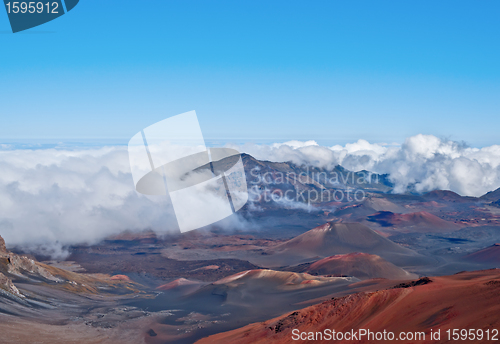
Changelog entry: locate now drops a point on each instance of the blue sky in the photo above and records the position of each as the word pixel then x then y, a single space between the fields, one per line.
pixel 262 71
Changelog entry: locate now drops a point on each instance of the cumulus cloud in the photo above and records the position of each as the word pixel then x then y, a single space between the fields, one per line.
pixel 422 163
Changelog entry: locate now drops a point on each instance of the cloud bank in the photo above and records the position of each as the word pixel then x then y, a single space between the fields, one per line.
pixel 422 163
pixel 51 198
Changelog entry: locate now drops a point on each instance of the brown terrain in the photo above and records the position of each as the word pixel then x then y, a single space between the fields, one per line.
pixel 488 255
pixel 107 308
pixel 182 285
pixel 271 279
pixel 323 241
pixel 469 300
pixel 340 238
pixel 359 265
pixel 40 303
pixel 422 221
pixel 253 294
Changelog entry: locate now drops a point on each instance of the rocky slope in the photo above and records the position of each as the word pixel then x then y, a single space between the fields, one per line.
pixel 468 300
pixel 7 286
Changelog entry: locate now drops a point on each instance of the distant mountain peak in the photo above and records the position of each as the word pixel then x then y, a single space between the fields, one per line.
pixel 491 196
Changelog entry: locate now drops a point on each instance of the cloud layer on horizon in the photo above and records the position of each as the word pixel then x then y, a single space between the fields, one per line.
pixel 422 163
pixel 51 198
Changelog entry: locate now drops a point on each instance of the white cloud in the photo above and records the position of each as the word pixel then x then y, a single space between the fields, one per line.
pixel 295 144
pixel 424 162
pixel 50 198
pixel 67 197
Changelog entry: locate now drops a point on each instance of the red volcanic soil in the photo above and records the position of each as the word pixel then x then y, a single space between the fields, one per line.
pixel 178 283
pixel 360 265
pixel 181 286
pixel 340 238
pixel 120 278
pixel 469 300
pixel 488 255
pixel 422 221
pixel 272 279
